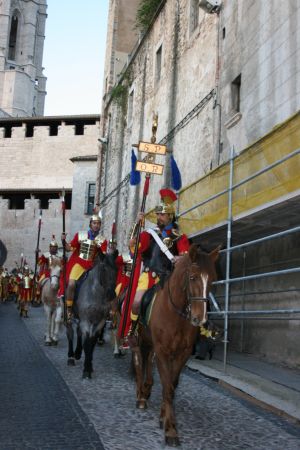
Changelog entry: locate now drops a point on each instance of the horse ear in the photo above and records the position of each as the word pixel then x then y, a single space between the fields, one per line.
pixel 193 252
pixel 214 255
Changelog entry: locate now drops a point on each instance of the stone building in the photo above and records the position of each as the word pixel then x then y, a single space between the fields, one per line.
pixel 22 34
pixel 38 159
pixel 224 81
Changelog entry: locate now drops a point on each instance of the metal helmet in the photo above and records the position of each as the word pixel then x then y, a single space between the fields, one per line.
pixel 53 242
pixel 96 217
pixel 166 205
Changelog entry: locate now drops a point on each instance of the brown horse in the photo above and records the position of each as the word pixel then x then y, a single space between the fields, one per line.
pixel 179 308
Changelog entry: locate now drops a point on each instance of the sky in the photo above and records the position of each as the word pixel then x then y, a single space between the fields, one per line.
pixel 74 52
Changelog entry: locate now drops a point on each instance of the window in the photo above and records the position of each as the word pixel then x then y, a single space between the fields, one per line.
pixel 13 38
pixel 194 15
pixel 29 130
pixel 236 94
pixel 158 64
pixel 79 129
pixel 90 198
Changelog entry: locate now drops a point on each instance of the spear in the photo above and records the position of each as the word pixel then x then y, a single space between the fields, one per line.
pixel 136 262
pixel 37 255
pixel 63 208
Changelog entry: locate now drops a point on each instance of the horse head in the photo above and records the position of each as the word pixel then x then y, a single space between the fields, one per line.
pixel 107 273
pixel 55 269
pixel 198 271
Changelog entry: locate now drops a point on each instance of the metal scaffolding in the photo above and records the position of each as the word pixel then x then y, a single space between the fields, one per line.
pixel 264 314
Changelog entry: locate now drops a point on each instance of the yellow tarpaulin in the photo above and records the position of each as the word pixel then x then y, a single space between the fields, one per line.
pixel 282 180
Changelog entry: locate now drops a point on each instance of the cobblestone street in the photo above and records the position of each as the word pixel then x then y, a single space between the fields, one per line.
pixel 47 405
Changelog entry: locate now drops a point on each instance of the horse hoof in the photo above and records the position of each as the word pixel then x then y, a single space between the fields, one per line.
pixel 47 343
pixel 141 404
pixel 54 343
pixel 101 342
pixel 86 375
pixel 77 356
pixel 172 441
pixel 71 362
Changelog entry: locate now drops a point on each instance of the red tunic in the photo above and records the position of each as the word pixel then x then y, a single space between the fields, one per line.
pixel 75 259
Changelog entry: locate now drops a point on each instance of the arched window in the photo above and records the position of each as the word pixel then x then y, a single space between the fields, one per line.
pixel 13 37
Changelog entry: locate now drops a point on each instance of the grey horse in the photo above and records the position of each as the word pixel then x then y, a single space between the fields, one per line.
pixel 91 309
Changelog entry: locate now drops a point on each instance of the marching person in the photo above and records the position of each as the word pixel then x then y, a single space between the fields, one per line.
pixel 159 249
pixel 4 280
pixel 25 292
pixel 84 247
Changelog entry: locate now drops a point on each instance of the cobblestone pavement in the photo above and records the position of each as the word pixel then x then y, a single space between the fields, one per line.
pixel 208 416
pixel 37 410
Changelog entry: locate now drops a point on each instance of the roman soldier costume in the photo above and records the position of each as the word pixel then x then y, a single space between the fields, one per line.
pixel 158 250
pixel 44 260
pixel 25 292
pixel 84 246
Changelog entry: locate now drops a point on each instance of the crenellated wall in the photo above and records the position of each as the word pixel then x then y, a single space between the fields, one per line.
pixel 19 229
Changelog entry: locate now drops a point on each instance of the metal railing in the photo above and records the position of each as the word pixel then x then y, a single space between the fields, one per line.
pixel 227 282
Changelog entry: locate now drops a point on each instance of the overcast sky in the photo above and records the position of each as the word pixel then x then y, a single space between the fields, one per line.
pixel 74 53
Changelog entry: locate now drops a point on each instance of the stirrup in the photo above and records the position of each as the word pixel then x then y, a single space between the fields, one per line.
pixel 132 335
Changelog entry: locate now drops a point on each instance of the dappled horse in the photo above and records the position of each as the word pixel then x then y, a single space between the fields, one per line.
pixel 52 305
pixel 178 310
pixel 91 308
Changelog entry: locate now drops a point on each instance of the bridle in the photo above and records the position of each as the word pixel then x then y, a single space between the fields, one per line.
pixel 186 312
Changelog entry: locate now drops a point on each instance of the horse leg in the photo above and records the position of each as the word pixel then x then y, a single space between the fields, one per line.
pixel 48 328
pixel 57 323
pixel 78 350
pixel 148 371
pixel 70 336
pixel 137 361
pixel 167 416
pixel 88 346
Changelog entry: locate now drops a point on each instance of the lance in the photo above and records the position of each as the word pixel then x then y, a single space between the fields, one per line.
pixel 63 208
pixel 136 264
pixel 37 255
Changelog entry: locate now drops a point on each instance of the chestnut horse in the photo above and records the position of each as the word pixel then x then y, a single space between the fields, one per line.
pixel 178 310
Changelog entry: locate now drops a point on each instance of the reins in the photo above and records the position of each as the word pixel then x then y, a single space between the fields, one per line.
pixel 186 313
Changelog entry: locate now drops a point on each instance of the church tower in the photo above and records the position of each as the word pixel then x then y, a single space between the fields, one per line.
pixel 22 34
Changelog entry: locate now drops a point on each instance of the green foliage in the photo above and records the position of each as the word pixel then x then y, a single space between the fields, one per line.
pixel 145 13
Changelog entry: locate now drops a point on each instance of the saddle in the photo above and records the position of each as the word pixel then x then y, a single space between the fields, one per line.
pixel 147 303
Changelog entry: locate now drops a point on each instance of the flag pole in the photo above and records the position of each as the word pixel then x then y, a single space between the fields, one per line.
pixel 138 228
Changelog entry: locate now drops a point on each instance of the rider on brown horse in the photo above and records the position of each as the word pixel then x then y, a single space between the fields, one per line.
pixel 159 249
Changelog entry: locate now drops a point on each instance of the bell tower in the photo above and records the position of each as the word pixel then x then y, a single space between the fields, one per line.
pixel 22 34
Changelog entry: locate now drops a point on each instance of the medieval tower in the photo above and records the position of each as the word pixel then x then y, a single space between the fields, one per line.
pixel 22 34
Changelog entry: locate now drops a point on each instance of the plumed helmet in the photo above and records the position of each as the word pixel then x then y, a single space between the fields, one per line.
pixel 53 242
pixel 166 205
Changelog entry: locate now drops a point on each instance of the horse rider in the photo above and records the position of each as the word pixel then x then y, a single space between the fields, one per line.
pixel 159 249
pixel 84 247
pixel 44 260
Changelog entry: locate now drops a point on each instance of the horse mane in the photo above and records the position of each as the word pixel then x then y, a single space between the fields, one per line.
pixel 195 256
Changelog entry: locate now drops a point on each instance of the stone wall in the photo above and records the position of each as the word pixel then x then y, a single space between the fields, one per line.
pixel 262 44
pixel 19 229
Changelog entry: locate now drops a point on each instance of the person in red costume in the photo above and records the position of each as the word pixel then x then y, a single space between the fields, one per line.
pixel 84 247
pixel 157 263
pixel 44 260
